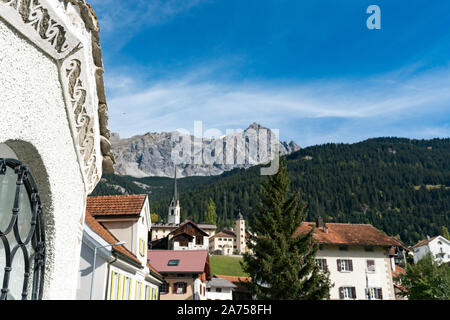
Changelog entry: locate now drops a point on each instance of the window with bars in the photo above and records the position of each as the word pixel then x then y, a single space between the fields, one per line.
pixel 22 233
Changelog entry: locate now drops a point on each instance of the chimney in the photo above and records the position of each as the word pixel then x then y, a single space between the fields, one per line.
pixel 319 222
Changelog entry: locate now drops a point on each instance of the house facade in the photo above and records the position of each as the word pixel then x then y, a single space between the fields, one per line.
pixel 438 246
pixel 186 273
pixel 187 236
pixel 119 274
pixel 219 289
pixel 229 242
pixel 55 123
pixel 357 258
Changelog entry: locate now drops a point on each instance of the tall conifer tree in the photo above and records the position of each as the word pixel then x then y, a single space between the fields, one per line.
pixel 282 267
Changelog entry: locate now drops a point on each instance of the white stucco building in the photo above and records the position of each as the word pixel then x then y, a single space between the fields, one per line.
pixel 219 289
pixel 54 121
pixel 438 246
pixel 121 272
pixel 357 257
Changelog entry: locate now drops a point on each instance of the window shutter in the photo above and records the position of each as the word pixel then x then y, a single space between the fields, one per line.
pixel 339 264
pixel 341 292
pixel 325 267
pixel 353 293
pixel 350 265
pixel 184 287
pixel 175 287
pixel 380 294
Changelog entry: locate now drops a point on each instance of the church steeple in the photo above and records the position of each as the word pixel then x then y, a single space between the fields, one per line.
pixel 174 207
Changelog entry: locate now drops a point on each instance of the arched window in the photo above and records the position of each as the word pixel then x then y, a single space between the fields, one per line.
pixel 22 234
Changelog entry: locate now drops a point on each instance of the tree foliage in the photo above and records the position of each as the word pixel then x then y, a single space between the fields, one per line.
pixel 426 280
pixel 282 267
pixel 210 216
pixel 400 186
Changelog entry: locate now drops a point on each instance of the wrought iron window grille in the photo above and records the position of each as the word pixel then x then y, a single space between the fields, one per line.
pixel 23 234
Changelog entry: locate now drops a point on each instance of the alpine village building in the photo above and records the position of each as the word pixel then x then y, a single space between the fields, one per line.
pixel 121 271
pixel 359 257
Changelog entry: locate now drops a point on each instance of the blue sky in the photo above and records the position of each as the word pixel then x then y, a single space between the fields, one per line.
pixel 311 69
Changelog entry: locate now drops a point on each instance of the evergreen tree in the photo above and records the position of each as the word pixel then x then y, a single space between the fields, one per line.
pixel 445 233
pixel 210 215
pixel 282 267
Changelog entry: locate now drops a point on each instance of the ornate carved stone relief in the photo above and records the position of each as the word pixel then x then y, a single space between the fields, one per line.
pixel 77 51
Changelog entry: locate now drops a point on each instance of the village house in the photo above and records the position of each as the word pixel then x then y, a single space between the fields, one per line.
pixel 229 242
pixel 188 236
pixel 240 292
pixel 121 271
pixel 357 257
pixel 54 139
pixel 186 273
pixel 438 246
pixel 219 289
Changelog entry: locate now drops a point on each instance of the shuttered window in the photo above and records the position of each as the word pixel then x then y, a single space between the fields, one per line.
pixel 371 265
pixel 375 294
pixel 347 293
pixel 322 263
pixel 345 265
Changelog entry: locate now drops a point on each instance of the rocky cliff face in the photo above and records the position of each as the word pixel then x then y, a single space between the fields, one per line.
pixel 154 154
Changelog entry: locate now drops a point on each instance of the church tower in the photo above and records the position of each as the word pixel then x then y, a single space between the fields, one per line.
pixel 174 207
pixel 239 230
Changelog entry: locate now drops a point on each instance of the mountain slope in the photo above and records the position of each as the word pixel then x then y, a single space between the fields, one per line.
pixel 399 185
pixel 153 154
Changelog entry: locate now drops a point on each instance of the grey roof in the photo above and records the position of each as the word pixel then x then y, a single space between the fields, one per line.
pixel 217 282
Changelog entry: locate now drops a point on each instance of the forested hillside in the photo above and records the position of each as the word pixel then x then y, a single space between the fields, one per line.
pixel 399 185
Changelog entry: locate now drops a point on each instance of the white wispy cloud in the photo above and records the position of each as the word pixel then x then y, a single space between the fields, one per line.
pixel 121 19
pixel 169 104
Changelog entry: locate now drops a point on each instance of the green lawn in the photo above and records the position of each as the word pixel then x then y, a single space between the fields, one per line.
pixel 227 266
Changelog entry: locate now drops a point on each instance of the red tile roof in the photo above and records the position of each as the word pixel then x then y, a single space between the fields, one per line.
pixel 189 260
pixel 348 234
pixel 224 233
pixel 398 271
pixel 236 281
pixel 115 205
pixel 423 242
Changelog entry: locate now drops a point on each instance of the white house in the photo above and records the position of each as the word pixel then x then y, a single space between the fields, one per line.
pixel 219 289
pixel 229 242
pixel 438 246
pixel 121 271
pixel 53 121
pixel 357 257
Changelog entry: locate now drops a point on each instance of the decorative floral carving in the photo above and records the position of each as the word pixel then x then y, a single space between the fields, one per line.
pixel 35 15
pixel 82 120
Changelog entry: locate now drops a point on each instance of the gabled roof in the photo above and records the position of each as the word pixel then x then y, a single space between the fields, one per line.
pixel 190 261
pixel 217 282
pixel 193 224
pixel 348 234
pixel 129 205
pixel 99 229
pixel 237 281
pixel 424 242
pixel 224 233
